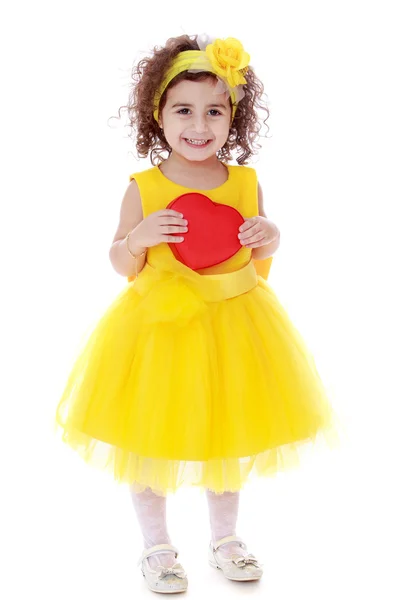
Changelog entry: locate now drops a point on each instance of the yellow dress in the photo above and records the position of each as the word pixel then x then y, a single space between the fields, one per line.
pixel 195 378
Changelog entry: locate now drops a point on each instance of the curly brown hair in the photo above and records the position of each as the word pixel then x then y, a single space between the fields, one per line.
pixel 147 76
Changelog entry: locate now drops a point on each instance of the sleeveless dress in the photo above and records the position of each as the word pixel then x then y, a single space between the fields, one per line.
pixel 195 377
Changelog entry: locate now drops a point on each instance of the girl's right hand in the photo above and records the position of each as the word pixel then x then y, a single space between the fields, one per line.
pixel 158 227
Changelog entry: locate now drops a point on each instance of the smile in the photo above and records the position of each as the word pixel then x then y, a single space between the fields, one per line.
pixel 200 143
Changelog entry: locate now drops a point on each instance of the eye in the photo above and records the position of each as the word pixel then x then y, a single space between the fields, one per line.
pixel 214 110
pixel 180 111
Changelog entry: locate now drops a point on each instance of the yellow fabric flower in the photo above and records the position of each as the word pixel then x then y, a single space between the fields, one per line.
pixel 229 60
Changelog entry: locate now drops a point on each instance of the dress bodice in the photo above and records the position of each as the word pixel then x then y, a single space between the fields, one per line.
pixel 238 191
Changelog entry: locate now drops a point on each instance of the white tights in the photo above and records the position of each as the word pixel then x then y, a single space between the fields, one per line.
pixel 151 514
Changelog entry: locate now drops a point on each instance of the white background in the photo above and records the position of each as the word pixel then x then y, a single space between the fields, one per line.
pixel 330 174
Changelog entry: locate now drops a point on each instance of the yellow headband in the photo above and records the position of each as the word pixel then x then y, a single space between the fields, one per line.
pixel 224 58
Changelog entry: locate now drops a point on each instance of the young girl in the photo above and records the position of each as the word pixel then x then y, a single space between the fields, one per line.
pixel 194 376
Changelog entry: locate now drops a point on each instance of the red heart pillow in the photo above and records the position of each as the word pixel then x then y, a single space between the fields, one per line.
pixel 212 235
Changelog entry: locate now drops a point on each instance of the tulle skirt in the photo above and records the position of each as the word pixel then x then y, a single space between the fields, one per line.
pixel 171 389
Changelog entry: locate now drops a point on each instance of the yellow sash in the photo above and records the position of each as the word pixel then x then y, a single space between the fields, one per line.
pixel 212 288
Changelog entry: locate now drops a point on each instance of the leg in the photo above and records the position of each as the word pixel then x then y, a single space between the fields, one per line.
pixel 151 514
pixel 223 510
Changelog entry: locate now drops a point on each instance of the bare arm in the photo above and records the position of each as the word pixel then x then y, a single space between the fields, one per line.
pixel 269 249
pixel 131 215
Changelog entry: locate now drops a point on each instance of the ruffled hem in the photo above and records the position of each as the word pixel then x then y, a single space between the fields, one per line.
pixel 165 476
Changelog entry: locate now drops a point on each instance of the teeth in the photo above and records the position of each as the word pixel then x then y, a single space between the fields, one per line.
pixel 197 142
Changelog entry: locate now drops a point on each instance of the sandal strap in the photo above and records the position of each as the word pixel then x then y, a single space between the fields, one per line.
pixel 158 549
pixel 227 539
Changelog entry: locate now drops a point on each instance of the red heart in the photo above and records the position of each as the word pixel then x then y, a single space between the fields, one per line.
pixel 212 235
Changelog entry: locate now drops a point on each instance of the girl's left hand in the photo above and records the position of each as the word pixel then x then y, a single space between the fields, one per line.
pixel 257 231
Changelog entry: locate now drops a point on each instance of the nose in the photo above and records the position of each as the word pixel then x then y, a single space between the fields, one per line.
pixel 199 123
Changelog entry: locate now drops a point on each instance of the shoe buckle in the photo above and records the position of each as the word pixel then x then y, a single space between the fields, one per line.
pixel 162 571
pixel 249 559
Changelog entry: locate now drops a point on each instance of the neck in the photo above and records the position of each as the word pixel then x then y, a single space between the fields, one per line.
pixel 193 168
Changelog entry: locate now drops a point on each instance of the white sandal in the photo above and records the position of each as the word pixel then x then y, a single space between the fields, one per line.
pixel 166 580
pixel 236 567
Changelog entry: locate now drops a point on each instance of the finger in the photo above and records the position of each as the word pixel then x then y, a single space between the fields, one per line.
pixel 173 229
pixel 252 246
pixel 243 237
pixel 168 212
pixel 246 225
pixel 172 239
pixel 262 242
pixel 172 221
pixel 259 237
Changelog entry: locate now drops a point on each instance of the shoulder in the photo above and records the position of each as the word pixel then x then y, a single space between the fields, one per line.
pixel 249 176
pixel 142 175
pixel 243 170
pixel 245 175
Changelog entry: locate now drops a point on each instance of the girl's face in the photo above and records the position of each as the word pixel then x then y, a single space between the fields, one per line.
pixel 195 120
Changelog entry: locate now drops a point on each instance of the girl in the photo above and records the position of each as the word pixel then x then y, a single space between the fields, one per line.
pixel 194 376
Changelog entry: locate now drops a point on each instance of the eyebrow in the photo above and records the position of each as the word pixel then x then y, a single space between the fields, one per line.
pixel 186 105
